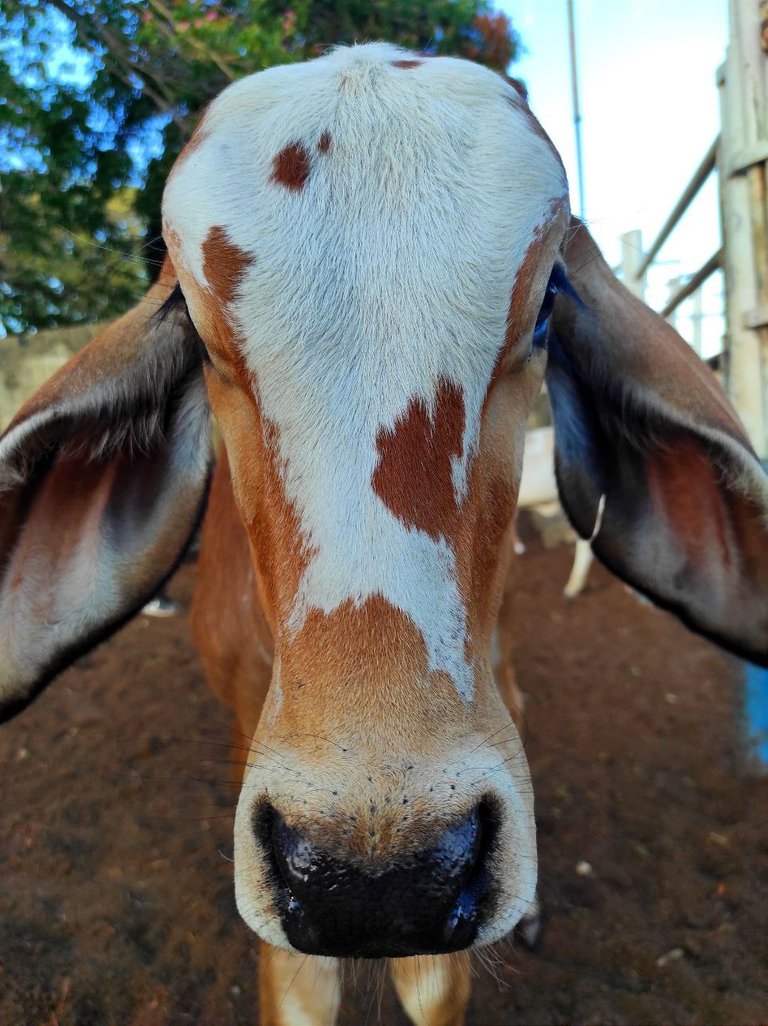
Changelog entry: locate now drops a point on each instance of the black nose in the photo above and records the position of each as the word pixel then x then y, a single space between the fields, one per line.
pixel 425 903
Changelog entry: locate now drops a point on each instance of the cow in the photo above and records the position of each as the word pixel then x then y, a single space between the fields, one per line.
pixel 372 268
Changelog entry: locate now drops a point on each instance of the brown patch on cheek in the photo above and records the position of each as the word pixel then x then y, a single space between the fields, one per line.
pixel 492 527
pixel 324 142
pixel 407 65
pixel 413 475
pixel 278 547
pixel 277 544
pixel 291 167
pixel 483 551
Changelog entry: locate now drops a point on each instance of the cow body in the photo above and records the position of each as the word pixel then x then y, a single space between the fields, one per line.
pixel 371 269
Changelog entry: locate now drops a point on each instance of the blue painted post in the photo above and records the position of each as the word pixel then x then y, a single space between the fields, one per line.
pixel 756 718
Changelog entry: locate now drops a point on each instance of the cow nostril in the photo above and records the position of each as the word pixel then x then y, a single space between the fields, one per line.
pixel 289 857
pixel 462 922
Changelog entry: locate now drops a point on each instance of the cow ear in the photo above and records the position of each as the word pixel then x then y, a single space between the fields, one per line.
pixel 102 476
pixel 652 460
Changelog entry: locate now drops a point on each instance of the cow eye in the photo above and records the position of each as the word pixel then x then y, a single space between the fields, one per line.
pixel 541 330
pixel 558 282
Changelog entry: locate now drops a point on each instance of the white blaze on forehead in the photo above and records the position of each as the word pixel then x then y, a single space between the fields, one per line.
pixel 389 272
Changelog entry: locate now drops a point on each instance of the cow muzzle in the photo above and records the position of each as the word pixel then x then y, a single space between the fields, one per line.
pixel 429 901
pixel 339 853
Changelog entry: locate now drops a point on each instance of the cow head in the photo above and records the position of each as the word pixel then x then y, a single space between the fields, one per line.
pixel 373 254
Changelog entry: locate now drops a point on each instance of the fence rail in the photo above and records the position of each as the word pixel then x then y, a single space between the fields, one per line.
pixel 636 264
pixel 700 175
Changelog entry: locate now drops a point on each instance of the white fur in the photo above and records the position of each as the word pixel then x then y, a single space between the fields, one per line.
pixel 390 271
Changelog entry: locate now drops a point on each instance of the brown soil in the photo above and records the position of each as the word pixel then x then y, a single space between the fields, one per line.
pixel 116 903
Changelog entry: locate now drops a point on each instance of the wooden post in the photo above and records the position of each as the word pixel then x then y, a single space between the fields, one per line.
pixel 743 82
pixel 673 285
pixel 697 317
pixel 631 262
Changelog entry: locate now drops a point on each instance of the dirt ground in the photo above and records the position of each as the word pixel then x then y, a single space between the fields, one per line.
pixel 116 904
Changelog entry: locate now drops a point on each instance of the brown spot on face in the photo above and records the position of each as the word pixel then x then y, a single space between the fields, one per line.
pixel 291 167
pixel 413 476
pixel 324 142
pixel 407 65
pixel 224 264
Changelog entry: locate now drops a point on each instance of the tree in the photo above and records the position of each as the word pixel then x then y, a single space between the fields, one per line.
pixel 97 97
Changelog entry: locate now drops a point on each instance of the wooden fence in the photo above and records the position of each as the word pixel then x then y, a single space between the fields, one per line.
pixel 26 361
pixel 739 155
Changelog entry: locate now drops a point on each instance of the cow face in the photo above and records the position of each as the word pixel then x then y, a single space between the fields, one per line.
pixel 368 250
pixel 364 245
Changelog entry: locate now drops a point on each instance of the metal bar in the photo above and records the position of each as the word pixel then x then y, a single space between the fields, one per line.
pixel 714 263
pixel 576 108
pixel 700 175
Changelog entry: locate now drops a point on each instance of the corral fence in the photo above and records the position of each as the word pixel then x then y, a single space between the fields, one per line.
pixel 27 361
pixel 739 157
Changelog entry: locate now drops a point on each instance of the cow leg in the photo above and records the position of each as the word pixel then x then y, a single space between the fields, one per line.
pixel 433 989
pixel 297 990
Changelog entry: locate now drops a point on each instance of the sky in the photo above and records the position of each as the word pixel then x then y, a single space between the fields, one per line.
pixel 649 102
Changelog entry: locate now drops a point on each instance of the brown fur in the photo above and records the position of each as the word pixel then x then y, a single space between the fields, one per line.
pixel 413 475
pixel 231 634
pixel 291 167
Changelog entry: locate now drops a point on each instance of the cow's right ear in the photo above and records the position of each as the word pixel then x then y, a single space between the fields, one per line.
pixel 103 473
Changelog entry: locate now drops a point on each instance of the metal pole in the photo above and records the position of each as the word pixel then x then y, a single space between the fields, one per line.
pixel 576 108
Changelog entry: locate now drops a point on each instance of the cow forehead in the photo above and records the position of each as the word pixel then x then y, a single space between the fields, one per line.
pixel 379 207
pixel 358 168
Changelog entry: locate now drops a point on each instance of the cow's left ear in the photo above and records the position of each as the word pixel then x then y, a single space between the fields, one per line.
pixel 652 459
pixel 103 473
